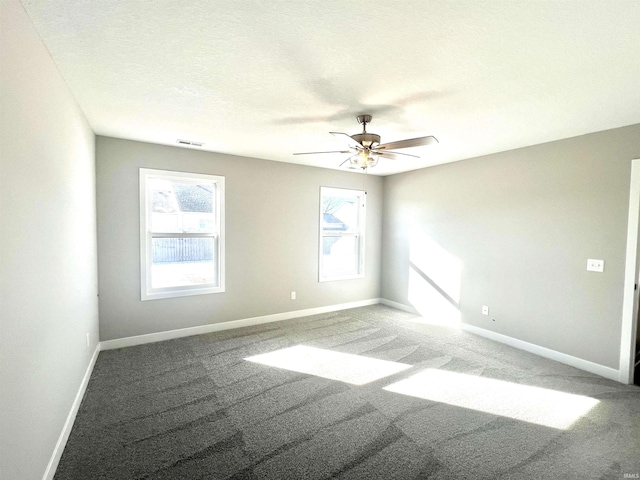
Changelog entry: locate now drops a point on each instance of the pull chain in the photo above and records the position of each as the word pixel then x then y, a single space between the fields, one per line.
pixel 364 176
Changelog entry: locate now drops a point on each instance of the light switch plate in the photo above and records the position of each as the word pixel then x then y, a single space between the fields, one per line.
pixel 594 265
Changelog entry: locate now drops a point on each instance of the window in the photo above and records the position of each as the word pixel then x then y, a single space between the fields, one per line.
pixel 181 234
pixel 342 220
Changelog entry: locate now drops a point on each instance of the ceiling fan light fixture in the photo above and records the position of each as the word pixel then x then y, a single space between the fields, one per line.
pixel 364 159
pixel 373 161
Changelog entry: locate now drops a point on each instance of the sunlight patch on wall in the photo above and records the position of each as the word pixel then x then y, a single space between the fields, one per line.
pixel 429 303
pixel 434 281
pixel 550 408
pixel 344 367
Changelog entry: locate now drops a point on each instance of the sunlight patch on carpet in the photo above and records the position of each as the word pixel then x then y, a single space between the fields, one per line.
pixel 344 367
pixel 550 408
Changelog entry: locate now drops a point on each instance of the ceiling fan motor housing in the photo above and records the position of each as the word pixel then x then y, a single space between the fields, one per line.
pixel 366 139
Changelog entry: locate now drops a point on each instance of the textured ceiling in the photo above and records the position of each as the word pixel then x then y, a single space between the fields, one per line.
pixel 268 78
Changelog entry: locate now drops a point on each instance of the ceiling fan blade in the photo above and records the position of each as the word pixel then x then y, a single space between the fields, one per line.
pixel 314 153
pixel 352 143
pixel 411 142
pixel 395 155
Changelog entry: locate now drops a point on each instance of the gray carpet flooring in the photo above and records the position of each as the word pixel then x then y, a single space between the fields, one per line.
pixel 194 408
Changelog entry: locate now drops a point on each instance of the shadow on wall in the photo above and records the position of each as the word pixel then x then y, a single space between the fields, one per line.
pixel 434 281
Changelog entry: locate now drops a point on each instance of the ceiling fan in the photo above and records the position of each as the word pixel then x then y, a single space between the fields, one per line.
pixel 365 148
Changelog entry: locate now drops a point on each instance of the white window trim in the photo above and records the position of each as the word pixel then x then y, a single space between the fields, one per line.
pixel 149 293
pixel 362 213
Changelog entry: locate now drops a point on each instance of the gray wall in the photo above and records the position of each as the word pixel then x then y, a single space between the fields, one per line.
pixel 48 277
pixel 272 212
pixel 522 225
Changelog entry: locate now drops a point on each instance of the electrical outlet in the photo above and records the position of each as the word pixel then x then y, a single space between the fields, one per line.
pixel 293 295
pixel 594 265
pixel 485 310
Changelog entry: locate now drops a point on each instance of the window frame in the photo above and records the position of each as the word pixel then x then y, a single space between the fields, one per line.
pixel 147 292
pixel 359 233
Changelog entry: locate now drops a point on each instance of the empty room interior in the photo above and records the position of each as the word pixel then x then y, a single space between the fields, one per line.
pixel 295 239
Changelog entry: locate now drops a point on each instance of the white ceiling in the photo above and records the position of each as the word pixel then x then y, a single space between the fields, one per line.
pixel 266 78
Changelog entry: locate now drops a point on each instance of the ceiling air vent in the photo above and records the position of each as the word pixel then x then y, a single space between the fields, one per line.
pixel 190 143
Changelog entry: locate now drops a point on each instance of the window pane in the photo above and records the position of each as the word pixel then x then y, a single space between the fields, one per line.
pixel 182 234
pixel 340 256
pixel 178 262
pixel 181 207
pixel 340 213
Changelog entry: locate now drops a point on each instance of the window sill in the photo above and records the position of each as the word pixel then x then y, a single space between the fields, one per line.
pixel 345 277
pixel 180 293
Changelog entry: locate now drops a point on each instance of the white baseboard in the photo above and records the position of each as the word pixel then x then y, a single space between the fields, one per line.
pixel 560 357
pixel 68 424
pixel 217 327
pixel 576 362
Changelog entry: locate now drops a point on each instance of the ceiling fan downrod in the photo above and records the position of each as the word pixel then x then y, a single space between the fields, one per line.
pixel 363 120
pixel 367 140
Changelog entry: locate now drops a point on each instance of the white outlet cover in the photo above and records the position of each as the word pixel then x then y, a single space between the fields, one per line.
pixel 595 265
pixel 485 310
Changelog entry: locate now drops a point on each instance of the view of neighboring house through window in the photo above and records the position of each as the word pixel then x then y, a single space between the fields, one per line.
pixel 181 233
pixel 342 220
